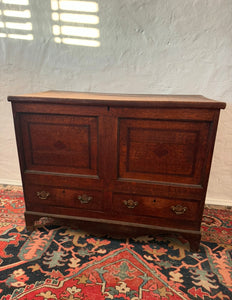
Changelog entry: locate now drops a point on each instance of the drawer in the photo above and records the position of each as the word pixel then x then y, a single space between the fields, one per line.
pixel 62 197
pixel 151 206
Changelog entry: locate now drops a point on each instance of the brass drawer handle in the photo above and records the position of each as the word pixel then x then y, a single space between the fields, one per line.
pixel 130 203
pixel 179 209
pixel 43 195
pixel 84 199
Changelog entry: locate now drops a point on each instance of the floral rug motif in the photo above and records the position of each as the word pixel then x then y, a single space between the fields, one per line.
pixel 217 225
pixel 62 263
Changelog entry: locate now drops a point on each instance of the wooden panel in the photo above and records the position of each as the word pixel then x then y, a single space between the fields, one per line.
pixel 171 114
pixel 167 151
pixel 180 191
pixel 167 208
pixel 63 197
pixel 64 144
pixel 61 109
pixel 58 180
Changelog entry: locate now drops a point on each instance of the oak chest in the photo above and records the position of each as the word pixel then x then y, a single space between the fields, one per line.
pixel 117 164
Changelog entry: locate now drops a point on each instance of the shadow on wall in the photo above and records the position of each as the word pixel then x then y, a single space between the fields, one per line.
pixel 73 22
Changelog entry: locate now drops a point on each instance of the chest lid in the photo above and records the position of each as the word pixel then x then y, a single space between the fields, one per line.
pixel 125 100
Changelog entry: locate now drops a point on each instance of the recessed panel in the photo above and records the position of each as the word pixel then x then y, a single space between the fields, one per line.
pixel 169 151
pixel 58 144
pixel 68 145
pixel 161 151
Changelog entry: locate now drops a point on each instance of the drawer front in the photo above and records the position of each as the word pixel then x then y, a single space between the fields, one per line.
pixel 138 205
pixel 61 197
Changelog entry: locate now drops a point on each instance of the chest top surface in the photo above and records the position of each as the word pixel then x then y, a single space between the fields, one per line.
pixel 129 100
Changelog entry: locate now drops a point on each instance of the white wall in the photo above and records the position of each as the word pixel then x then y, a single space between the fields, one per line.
pixel 156 46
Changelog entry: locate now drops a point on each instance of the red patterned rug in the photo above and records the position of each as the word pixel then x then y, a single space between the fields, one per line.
pixel 62 263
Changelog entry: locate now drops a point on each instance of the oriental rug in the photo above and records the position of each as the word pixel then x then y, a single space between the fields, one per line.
pixel 62 263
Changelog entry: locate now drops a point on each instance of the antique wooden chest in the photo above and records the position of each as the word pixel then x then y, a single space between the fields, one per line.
pixel 116 164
